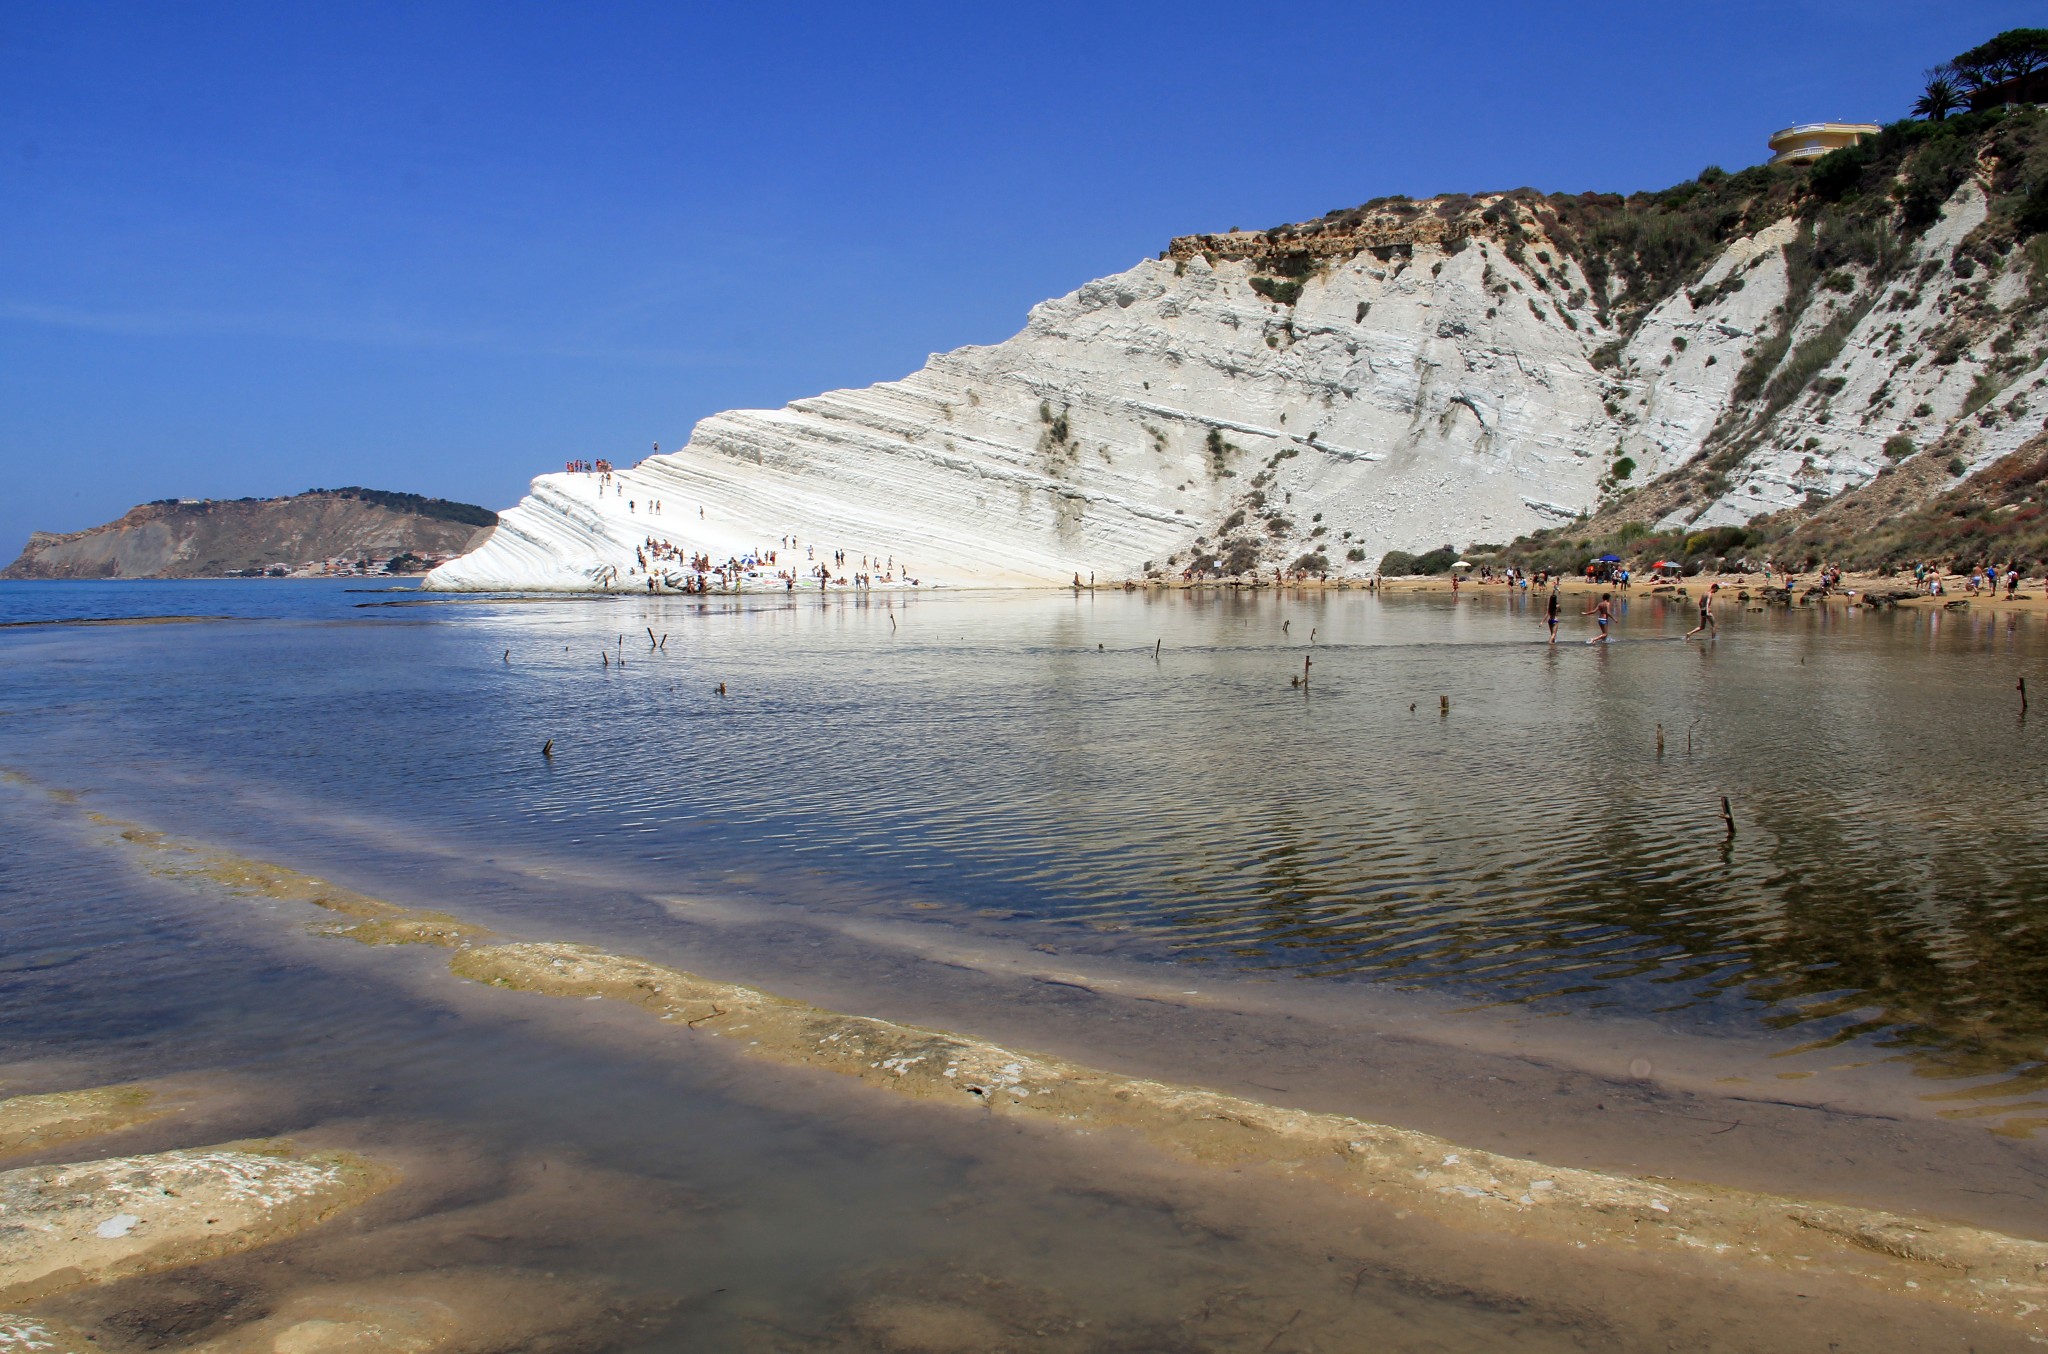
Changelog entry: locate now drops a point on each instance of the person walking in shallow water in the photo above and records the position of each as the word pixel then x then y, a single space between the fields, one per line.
pixel 1706 614
pixel 1604 615
pixel 1551 613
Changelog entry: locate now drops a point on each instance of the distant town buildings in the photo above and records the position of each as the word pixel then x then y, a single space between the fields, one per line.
pixel 1809 141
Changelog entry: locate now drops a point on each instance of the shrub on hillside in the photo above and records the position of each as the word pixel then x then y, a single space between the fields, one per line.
pixel 1399 562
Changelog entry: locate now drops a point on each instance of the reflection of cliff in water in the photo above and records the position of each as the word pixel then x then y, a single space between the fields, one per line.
pixel 1027 765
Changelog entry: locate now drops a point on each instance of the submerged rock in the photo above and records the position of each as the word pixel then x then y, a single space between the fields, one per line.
pixel 455 1312
pixel 63 1226
pixel 30 1123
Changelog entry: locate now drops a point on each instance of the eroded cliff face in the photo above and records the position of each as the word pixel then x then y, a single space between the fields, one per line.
pixel 1400 376
pixel 204 539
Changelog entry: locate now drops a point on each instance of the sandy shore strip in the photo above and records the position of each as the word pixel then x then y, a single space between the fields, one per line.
pixel 1968 1267
pixel 1855 589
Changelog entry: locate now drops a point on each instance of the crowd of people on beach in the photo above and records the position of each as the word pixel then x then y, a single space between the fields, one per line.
pixel 671 567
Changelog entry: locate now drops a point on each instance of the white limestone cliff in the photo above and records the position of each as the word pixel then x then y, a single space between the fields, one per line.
pixel 1439 388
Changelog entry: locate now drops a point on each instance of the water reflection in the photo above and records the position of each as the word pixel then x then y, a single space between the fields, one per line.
pixel 1028 762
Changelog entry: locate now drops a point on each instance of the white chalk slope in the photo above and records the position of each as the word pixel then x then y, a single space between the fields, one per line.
pixel 1436 396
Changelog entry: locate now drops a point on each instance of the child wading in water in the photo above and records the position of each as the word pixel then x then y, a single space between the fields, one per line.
pixel 1603 613
pixel 1551 614
pixel 1706 614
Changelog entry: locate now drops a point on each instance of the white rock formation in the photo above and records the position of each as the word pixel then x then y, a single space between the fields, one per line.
pixel 1426 392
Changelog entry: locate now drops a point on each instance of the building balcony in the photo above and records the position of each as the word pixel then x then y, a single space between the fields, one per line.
pixel 1806 143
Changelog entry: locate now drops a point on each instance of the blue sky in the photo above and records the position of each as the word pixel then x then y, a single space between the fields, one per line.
pixel 251 249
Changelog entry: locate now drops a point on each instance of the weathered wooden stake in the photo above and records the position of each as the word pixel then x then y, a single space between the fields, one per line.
pixel 2023 695
pixel 508 660
pixel 1443 707
pixel 547 749
pixel 605 656
pixel 1728 817
pixel 1155 649
pixel 1660 740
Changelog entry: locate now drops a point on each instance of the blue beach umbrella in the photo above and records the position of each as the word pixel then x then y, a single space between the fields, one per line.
pixel 1608 559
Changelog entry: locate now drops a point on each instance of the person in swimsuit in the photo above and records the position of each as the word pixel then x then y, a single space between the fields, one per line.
pixel 1604 614
pixel 1706 614
pixel 1551 614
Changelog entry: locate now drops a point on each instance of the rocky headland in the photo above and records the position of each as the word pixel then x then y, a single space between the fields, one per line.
pixel 320 531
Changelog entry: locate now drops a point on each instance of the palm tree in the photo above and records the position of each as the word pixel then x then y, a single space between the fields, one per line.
pixel 1941 97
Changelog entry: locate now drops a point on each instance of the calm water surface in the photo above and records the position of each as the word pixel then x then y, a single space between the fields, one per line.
pixel 1024 762
pixel 1023 770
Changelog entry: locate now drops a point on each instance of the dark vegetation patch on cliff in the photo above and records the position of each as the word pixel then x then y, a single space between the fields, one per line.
pixel 440 509
pixel 1999 514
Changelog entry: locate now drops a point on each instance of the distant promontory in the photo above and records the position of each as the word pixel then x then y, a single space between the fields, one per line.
pixel 320 532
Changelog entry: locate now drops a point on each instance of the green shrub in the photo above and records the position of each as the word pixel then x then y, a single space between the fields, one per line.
pixel 1981 392
pixel 1284 290
pixel 1624 467
pixel 1898 447
pixel 1435 561
pixel 1957 465
pixel 1314 563
pixel 1355 554
pixel 1807 361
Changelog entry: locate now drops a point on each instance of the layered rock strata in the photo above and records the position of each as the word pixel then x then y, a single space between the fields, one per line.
pixel 1458 371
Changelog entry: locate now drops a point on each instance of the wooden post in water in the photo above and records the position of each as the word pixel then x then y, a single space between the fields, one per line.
pixel 1660 740
pixel 1155 649
pixel 1443 707
pixel 547 749
pixel 2023 698
pixel 1728 817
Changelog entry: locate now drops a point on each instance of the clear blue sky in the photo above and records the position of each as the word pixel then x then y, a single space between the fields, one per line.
pixel 251 249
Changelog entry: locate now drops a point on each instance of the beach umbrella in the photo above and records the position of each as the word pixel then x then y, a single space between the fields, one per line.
pixel 1608 559
pixel 1462 564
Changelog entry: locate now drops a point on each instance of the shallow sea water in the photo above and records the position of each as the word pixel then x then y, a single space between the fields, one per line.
pixel 1024 775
